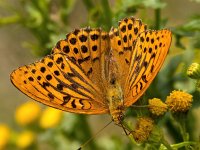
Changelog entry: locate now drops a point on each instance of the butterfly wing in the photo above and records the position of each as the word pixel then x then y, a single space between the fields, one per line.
pixel 59 82
pixel 122 41
pixel 149 53
pixel 87 48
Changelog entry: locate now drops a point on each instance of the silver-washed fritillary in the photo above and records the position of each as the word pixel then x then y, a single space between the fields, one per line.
pixel 95 72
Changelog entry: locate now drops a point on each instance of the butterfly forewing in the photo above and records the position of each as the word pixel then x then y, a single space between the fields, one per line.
pixel 58 82
pixel 150 52
pixel 86 47
pixel 123 42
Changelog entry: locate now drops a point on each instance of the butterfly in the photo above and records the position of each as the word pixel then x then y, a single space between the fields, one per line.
pixel 96 72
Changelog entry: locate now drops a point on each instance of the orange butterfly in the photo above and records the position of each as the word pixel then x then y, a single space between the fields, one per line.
pixel 95 72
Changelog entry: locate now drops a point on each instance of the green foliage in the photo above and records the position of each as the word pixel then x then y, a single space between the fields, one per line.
pixel 48 21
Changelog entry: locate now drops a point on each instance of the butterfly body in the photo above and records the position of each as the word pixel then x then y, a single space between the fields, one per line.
pixel 95 72
pixel 114 94
pixel 116 102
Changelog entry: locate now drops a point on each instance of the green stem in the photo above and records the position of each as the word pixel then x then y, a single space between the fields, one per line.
pixel 83 124
pixel 182 144
pixel 9 20
pixel 179 145
pixel 88 4
pixel 166 144
pixel 157 18
pixel 184 134
pixel 107 12
pixel 128 128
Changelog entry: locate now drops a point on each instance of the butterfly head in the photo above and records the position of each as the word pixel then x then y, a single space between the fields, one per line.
pixel 118 115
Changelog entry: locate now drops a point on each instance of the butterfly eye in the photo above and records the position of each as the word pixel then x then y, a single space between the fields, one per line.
pixel 121 117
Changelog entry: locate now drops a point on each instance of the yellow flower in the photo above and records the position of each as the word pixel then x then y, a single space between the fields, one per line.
pixel 193 71
pixel 179 101
pixel 50 117
pixel 27 113
pixel 4 135
pixel 157 107
pixel 143 129
pixel 25 139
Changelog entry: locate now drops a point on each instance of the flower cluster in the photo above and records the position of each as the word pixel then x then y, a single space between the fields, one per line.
pixel 177 101
pixel 193 71
pixel 146 130
pixel 28 115
pixel 4 135
pixel 157 107
pixel 143 129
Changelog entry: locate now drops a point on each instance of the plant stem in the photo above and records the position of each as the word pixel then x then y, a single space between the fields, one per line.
pixel 183 132
pixel 88 4
pixel 179 145
pixel 166 144
pixel 87 132
pixel 157 18
pixel 108 13
pixel 10 20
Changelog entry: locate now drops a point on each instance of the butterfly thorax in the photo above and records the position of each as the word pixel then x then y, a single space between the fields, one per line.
pixel 114 91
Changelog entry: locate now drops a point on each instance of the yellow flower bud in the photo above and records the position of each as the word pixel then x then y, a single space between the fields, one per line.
pixel 157 107
pixel 25 139
pixel 4 135
pixel 179 101
pixel 194 71
pixel 50 117
pixel 143 129
pixel 27 113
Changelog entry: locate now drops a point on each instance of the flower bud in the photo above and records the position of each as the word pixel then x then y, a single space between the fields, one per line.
pixel 157 107
pixel 50 118
pixel 193 71
pixel 143 129
pixel 27 113
pixel 4 135
pixel 179 101
pixel 25 139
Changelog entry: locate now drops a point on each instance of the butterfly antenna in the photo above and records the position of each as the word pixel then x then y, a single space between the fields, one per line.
pixel 80 148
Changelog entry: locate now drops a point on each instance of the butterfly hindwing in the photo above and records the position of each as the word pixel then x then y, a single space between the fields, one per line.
pixel 150 52
pixel 58 82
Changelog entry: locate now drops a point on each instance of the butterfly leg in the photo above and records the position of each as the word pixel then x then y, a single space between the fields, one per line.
pixel 121 123
pixel 124 128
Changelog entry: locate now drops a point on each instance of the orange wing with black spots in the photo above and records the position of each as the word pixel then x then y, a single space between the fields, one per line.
pixel 149 53
pixel 75 77
pixel 123 40
pixel 86 46
pixel 59 82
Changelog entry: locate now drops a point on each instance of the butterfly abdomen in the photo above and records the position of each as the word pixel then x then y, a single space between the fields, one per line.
pixel 115 100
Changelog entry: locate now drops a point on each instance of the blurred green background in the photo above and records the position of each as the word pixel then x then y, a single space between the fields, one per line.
pixel 29 29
